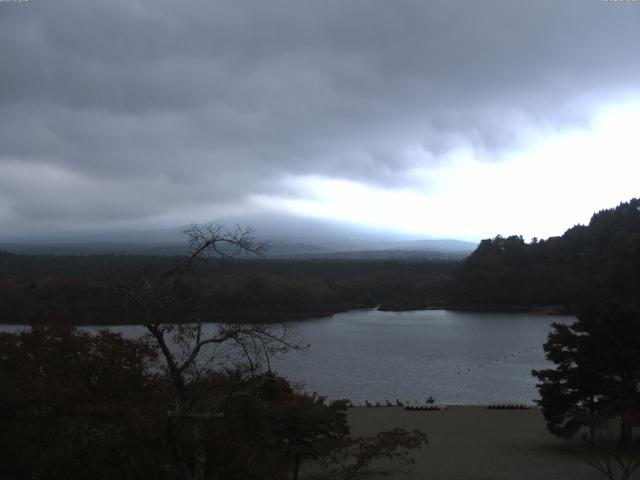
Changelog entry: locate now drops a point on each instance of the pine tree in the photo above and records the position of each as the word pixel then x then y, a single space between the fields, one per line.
pixel 597 372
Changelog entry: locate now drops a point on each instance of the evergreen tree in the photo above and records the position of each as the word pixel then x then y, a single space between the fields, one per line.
pixel 570 392
pixel 597 372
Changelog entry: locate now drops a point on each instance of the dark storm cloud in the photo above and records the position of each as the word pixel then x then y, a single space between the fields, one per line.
pixel 131 109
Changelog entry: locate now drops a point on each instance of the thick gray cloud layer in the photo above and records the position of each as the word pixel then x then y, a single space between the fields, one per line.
pixel 129 110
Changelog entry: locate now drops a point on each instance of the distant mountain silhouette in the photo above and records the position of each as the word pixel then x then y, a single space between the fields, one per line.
pixel 287 236
pixel 310 237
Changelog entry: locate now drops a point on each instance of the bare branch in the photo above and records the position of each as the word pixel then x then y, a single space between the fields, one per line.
pixel 608 462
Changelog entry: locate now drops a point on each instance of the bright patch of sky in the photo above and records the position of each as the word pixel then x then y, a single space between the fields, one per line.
pixel 558 181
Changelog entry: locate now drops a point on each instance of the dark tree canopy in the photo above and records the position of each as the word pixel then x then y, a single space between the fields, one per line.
pixel 74 405
pixel 575 270
pixel 77 406
pixel 597 373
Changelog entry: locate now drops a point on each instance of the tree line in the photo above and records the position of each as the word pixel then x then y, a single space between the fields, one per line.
pixel 566 272
pixel 575 270
pixel 81 289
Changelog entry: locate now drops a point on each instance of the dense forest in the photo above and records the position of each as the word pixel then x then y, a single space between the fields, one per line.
pixel 83 288
pixel 559 274
pixel 579 268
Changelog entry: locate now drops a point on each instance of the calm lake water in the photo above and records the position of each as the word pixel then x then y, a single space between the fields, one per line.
pixel 455 357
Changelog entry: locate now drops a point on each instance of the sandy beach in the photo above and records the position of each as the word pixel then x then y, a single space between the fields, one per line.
pixel 473 443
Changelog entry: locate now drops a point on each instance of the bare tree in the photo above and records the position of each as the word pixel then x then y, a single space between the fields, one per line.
pixel 193 351
pixel 615 464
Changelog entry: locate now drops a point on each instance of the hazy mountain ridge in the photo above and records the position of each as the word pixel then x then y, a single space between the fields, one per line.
pixel 286 237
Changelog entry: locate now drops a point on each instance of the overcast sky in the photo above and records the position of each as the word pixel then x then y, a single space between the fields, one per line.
pixel 445 118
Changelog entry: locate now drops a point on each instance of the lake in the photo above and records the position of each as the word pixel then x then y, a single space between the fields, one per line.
pixel 463 358
pixel 456 357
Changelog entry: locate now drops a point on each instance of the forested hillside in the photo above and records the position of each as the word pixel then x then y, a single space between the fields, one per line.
pixel 579 268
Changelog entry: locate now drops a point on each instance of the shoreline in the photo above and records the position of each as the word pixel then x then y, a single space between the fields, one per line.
pixel 550 310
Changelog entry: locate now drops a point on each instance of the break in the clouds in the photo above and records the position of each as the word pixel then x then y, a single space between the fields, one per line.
pixel 457 118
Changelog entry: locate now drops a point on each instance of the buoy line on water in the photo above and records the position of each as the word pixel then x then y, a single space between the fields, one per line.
pixel 491 363
pixel 508 406
pixel 416 405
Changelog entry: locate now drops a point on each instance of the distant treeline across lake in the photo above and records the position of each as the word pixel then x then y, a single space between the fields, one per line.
pixel 559 274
